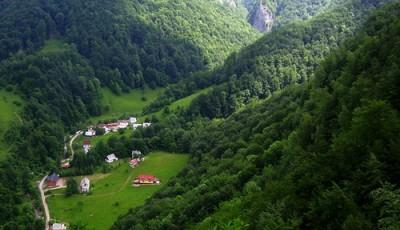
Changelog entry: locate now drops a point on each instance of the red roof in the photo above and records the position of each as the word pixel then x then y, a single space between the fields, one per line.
pixel 86 142
pixel 134 161
pixel 146 177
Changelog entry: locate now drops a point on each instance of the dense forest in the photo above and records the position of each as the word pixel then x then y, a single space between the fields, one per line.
pixel 308 115
pixel 322 155
pixel 287 56
pixel 129 43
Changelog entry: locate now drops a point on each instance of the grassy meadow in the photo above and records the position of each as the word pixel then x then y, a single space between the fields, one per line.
pixel 181 103
pixel 127 104
pixel 112 194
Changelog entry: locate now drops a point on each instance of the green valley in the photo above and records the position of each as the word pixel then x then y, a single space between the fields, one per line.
pixel 286 112
pixel 114 191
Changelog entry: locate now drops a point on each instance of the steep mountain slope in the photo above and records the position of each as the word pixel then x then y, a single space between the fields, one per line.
pixel 287 56
pixel 318 156
pixel 129 42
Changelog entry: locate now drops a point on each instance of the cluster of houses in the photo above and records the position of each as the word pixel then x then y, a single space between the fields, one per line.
pixel 112 127
pixel 53 180
pixel 115 126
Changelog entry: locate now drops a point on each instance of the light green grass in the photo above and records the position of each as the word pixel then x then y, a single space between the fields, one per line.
pixel 126 104
pixel 10 105
pixel 53 46
pixel 181 103
pixel 99 210
pixel 185 102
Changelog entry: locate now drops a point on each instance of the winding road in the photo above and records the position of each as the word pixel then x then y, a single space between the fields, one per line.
pixel 44 203
pixel 41 190
pixel 71 142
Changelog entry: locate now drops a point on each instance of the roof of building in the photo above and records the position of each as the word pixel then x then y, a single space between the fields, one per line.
pixel 57 226
pixel 112 156
pixel 146 177
pixel 53 177
pixel 86 142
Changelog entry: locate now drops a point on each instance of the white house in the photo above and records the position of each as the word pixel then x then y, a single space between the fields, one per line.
pixel 135 126
pixel 57 226
pixel 85 185
pixel 90 133
pixel 86 146
pixel 132 120
pixel 111 158
pixel 146 124
pixel 123 124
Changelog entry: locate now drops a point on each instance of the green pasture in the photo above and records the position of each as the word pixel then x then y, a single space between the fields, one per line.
pixel 112 194
pixel 127 104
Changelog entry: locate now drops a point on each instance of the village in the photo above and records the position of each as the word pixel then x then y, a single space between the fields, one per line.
pixel 53 181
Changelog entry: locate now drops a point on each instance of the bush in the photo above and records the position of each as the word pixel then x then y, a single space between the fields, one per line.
pixel 72 187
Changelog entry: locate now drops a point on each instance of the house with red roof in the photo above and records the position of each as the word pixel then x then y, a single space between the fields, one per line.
pixel 133 163
pixel 146 179
pixel 86 146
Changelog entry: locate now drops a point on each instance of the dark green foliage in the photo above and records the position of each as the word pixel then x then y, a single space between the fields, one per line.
pixel 72 187
pixel 317 156
pixel 16 212
pixel 63 82
pixel 129 43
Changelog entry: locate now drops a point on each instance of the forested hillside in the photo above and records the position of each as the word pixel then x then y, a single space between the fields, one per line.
pixel 322 155
pixel 129 42
pixel 285 57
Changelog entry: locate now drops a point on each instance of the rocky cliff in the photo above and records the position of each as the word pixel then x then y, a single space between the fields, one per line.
pixel 262 18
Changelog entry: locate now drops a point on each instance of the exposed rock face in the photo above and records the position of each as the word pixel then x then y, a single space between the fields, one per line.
pixel 260 16
pixel 263 18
